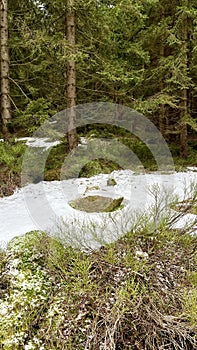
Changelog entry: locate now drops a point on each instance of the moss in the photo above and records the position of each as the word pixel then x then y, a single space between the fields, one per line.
pixel 56 158
pixel 111 182
pixel 52 175
pixel 98 166
pixel 92 204
pixel 114 205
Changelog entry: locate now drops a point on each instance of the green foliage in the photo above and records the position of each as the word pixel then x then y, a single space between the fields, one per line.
pixel 141 151
pixel 55 161
pixel 183 163
pixel 190 305
pixel 135 289
pixel 139 292
pixel 11 155
pixel 34 115
pixel 28 292
pixel 191 122
pixel 152 104
pixel 126 52
pixel 97 166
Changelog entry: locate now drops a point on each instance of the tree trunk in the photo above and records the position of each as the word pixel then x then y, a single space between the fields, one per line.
pixel 5 88
pixel 162 54
pixel 71 79
pixel 162 108
pixel 184 98
pixel 183 127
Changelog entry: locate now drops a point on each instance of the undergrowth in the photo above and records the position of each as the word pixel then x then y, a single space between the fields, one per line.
pixel 11 157
pixel 137 293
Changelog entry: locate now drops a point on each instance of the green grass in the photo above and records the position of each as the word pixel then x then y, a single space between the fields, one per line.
pixel 140 289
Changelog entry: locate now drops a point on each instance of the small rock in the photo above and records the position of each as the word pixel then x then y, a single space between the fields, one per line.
pixel 111 182
pixel 92 188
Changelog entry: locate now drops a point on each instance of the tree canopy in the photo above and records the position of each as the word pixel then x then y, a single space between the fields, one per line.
pixel 138 53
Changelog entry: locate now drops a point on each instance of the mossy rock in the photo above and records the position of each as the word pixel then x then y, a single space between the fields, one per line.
pixel 98 166
pixel 111 182
pixel 52 175
pixel 92 204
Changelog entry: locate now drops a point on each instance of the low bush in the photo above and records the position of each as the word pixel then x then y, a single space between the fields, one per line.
pixel 136 293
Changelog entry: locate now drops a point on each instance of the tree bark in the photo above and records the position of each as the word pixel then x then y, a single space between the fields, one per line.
pixel 5 86
pixel 71 79
pixel 184 97
pixel 162 54
pixel 183 127
pixel 162 108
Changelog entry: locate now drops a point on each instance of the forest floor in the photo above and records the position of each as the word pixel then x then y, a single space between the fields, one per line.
pixel 11 157
pixel 138 292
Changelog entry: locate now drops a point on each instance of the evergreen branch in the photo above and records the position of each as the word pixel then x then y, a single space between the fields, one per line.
pixel 19 88
pixel 11 99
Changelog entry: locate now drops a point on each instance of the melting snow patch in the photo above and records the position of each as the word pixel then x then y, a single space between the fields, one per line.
pixel 192 168
pixel 39 142
pixel 46 206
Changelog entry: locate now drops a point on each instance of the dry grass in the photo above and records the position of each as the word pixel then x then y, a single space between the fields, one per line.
pixel 137 293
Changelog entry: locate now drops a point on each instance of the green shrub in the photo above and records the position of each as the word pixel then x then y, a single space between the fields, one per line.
pixel 97 166
pixel 35 113
pixel 11 155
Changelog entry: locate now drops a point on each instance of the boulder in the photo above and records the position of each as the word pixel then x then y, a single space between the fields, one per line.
pixel 95 204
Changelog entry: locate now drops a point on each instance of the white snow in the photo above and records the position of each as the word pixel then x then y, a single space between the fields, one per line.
pixel 39 142
pixel 192 168
pixel 44 206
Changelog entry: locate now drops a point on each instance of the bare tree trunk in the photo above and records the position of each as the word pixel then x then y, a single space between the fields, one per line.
pixel 184 97
pixel 183 127
pixel 162 54
pixel 71 79
pixel 162 108
pixel 5 87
